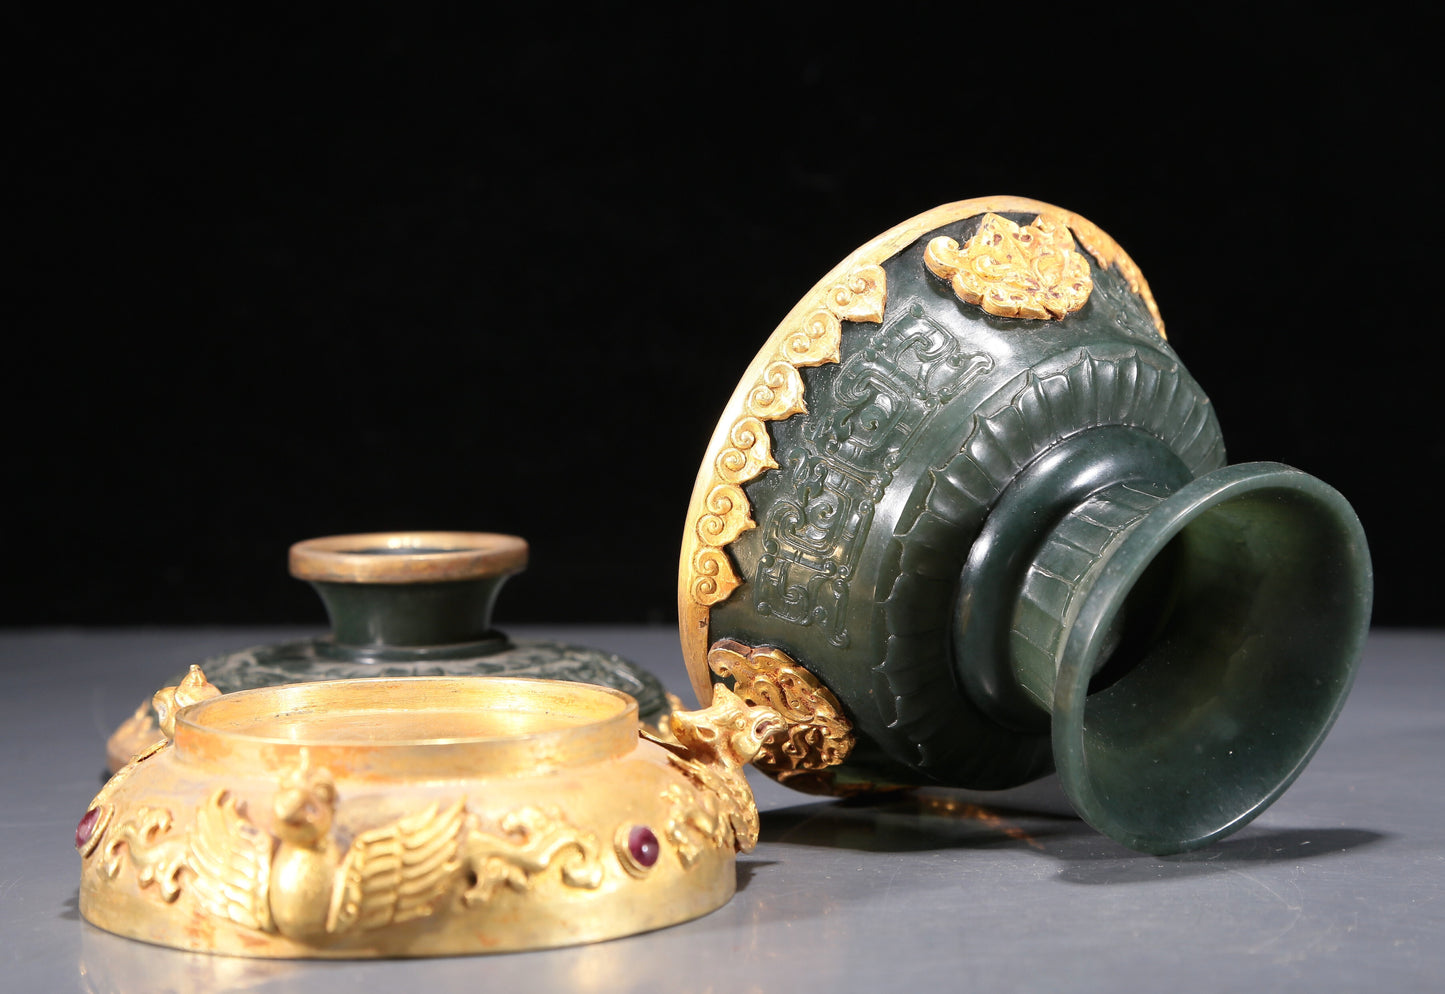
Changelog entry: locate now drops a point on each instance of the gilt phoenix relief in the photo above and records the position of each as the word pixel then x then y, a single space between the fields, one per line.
pixel 300 883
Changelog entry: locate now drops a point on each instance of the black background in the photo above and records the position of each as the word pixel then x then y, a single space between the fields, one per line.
pixel 280 278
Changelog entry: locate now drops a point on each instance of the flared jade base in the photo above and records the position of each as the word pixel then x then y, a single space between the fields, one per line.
pixel 1193 648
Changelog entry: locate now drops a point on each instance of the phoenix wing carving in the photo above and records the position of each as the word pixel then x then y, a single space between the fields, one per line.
pixel 231 860
pixel 397 872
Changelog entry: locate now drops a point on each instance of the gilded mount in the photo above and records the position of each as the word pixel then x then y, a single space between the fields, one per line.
pixel 817 734
pixel 1030 271
pixel 324 865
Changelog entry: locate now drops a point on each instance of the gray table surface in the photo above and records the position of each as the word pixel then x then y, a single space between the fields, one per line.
pixel 1339 887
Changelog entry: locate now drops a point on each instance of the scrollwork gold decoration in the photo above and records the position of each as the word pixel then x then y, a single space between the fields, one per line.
pixel 101 811
pixel 749 451
pixel 728 515
pixel 139 832
pixel 775 393
pixel 861 296
pixel 816 733
pixel 815 341
pixel 156 857
pixel 1031 271
pixel 531 840
pixel 707 818
pixel 712 576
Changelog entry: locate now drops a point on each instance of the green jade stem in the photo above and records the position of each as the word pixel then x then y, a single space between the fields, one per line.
pixel 398 621
pixel 1190 643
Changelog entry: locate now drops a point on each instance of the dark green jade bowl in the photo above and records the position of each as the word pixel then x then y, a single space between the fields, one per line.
pixel 969 492
pixel 406 604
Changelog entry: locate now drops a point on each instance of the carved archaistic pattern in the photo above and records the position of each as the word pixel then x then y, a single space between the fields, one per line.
pixel 776 394
pixel 1102 385
pixel 817 734
pixel 1012 271
pixel 882 398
